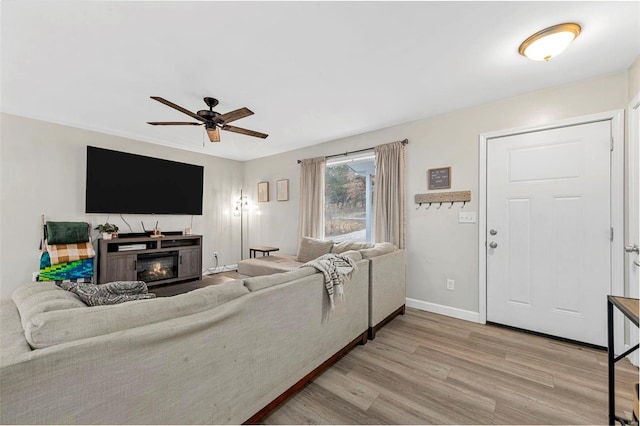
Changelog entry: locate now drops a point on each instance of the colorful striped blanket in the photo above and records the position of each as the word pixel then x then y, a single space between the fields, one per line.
pixel 66 271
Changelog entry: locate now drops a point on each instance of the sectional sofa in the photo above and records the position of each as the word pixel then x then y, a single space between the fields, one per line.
pixel 221 354
pixel 387 279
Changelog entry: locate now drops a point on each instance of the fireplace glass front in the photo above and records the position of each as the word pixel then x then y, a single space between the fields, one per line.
pixel 157 266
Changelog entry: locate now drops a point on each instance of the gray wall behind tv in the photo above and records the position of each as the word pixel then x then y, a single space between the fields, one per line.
pixel 43 171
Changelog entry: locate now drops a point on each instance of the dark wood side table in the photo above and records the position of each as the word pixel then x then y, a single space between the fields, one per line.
pixel 261 249
pixel 629 307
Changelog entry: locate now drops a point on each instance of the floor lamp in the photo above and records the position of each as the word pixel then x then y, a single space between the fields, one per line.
pixel 241 205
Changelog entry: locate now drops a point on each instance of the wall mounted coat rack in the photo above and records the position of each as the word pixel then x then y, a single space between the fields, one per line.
pixel 443 197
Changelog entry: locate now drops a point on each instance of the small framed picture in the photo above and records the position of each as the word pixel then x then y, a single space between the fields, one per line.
pixel 282 190
pixel 439 178
pixel 263 192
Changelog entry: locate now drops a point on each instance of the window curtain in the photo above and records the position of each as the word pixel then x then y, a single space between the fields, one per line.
pixel 311 220
pixel 389 194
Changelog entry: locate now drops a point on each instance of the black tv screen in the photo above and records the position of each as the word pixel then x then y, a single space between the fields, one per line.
pixel 118 182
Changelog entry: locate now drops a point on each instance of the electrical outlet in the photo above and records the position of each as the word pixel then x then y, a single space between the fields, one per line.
pixel 466 217
pixel 450 284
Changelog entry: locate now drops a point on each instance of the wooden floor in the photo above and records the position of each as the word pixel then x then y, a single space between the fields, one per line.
pixel 424 368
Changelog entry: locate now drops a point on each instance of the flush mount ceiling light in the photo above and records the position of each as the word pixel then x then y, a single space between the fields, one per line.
pixel 549 42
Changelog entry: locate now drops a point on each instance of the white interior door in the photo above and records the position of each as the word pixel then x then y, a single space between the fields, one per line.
pixel 548 231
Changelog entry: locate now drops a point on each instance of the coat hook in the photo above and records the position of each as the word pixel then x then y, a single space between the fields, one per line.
pixel 440 205
pixel 419 205
pixel 464 203
pixel 451 205
pixel 428 206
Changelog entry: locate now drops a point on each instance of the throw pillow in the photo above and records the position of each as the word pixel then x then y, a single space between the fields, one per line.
pixel 352 254
pixel 348 245
pixel 311 248
pixel 378 250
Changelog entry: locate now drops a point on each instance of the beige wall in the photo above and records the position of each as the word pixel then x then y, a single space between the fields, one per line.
pixel 438 247
pixel 631 164
pixel 634 78
pixel 40 161
pixel 42 171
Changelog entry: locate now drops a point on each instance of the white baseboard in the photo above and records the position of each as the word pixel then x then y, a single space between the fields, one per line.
pixel 443 310
pixel 224 268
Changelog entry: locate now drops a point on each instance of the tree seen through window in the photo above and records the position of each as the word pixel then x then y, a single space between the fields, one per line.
pixel 348 200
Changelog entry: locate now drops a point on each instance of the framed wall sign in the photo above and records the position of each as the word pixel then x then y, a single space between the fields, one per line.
pixel 263 192
pixel 439 178
pixel 282 190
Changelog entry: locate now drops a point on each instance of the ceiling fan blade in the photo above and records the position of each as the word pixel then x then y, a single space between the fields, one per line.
pixel 233 115
pixel 173 123
pixel 244 131
pixel 214 134
pixel 178 107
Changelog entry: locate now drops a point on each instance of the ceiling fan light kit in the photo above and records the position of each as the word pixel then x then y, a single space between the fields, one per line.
pixel 213 121
pixel 550 42
pixel 214 134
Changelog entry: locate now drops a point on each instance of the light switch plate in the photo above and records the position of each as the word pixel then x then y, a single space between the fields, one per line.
pixel 466 217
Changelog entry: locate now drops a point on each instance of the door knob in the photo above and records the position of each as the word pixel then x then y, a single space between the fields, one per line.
pixel 630 249
pixel 493 232
pixel 493 244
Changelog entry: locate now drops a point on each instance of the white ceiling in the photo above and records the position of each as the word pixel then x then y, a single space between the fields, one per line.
pixel 311 71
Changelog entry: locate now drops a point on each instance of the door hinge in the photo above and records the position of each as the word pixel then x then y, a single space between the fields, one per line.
pixel 611 233
pixel 611 143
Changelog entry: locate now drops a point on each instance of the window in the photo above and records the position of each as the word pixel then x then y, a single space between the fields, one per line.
pixel 348 208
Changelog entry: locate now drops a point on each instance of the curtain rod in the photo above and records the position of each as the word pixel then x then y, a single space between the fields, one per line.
pixel 404 142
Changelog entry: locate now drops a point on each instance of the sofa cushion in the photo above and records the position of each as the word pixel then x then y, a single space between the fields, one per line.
pixel 267 265
pixel 352 254
pixel 12 342
pixel 378 250
pixel 38 297
pixel 349 246
pixel 265 281
pixel 66 325
pixel 311 248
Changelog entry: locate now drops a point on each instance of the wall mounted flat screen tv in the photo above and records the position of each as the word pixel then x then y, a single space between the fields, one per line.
pixel 118 182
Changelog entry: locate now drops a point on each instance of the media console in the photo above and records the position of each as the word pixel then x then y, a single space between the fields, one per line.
pixel 152 260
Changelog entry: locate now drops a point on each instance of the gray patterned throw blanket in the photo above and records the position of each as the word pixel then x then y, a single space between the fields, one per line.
pixel 337 269
pixel 109 293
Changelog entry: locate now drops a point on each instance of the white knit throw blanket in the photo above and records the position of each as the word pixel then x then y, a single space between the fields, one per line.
pixel 336 269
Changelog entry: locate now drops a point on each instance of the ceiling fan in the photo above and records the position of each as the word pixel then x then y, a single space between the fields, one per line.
pixel 212 121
